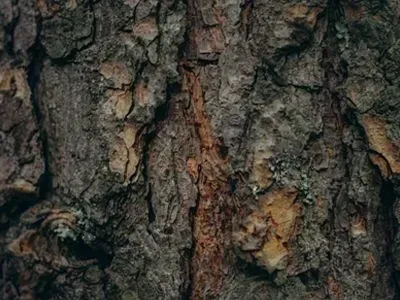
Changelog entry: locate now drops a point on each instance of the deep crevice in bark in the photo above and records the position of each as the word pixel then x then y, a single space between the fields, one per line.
pixel 9 36
pixel 388 198
pixel 161 114
pixel 192 213
pixel 253 270
pixel 146 145
pixel 18 204
pixel 348 116
pixel 33 73
pixel 333 76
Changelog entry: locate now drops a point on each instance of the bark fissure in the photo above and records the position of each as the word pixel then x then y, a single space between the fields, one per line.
pixel 150 209
pixel 33 78
pixel 388 202
pixel 340 75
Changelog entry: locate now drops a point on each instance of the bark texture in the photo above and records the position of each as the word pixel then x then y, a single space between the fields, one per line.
pixel 226 149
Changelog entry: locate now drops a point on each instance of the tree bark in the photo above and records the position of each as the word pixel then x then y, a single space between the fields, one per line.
pixel 227 149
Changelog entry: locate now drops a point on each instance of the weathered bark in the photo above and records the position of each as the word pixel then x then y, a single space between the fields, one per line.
pixel 228 149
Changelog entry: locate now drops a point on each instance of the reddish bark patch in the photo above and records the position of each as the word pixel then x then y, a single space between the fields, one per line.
pixel 334 290
pixel 211 217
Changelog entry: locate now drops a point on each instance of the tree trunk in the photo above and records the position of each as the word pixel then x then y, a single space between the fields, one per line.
pixel 227 149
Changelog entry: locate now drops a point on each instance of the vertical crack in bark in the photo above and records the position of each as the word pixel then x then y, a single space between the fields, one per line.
pixel 149 132
pixel 246 14
pixel 33 78
pixel 335 74
pixel 146 143
pixel 388 198
pixel 387 209
pixel 191 252
pixel 333 123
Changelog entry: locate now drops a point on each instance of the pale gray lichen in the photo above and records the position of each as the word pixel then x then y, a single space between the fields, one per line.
pixel 64 232
pixel 84 226
pixel 304 188
pixel 285 169
pixel 342 33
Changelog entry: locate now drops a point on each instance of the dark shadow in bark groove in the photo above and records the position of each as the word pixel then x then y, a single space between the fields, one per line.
pixel 33 73
pixel 335 11
pixel 388 198
pixel 310 278
pixel 9 38
pixel 336 72
pixel 192 213
pixel 46 289
pixel 160 115
pixel 253 271
pixel 18 204
pixel 81 251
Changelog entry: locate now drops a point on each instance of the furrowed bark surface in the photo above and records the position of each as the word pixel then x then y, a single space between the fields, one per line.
pixel 199 149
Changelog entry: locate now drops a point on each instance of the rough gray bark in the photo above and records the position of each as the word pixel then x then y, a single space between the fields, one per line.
pixel 199 149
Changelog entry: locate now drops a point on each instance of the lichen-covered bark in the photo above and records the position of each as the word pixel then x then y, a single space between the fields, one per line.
pixel 199 149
